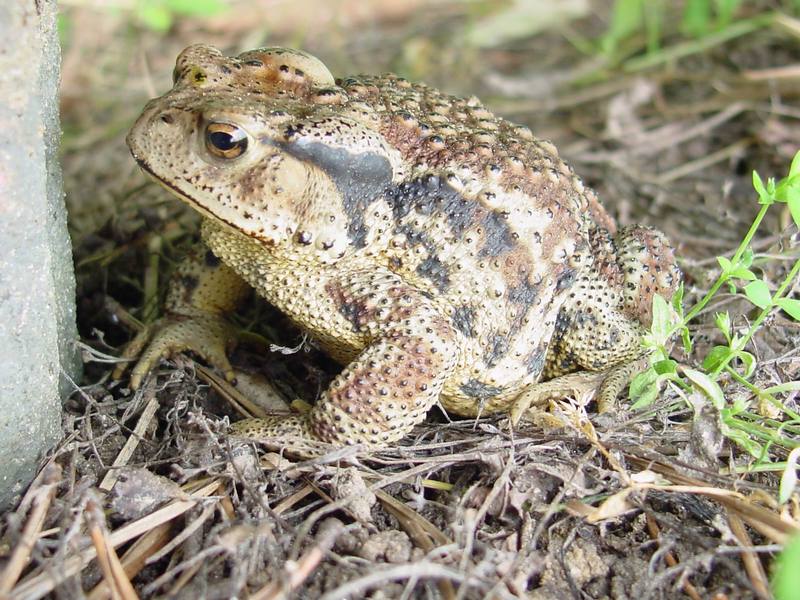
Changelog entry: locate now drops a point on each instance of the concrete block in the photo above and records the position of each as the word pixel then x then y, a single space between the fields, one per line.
pixel 38 356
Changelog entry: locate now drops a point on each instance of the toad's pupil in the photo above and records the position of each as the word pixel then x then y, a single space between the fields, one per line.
pixel 223 140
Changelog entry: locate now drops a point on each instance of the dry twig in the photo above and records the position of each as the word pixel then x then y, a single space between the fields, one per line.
pixel 46 581
pixel 132 442
pixel 755 571
pixel 113 573
pixel 136 557
pixel 669 557
pixel 51 477
pixel 296 572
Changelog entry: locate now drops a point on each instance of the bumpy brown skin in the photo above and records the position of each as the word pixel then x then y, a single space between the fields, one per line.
pixel 439 252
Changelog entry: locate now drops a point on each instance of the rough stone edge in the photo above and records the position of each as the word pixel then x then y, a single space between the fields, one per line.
pixel 60 243
pixel 37 286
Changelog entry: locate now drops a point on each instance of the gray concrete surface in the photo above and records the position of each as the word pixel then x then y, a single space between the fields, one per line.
pixel 37 286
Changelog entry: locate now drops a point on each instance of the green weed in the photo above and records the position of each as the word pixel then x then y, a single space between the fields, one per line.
pixel 786 582
pixel 159 15
pixel 750 431
pixel 701 22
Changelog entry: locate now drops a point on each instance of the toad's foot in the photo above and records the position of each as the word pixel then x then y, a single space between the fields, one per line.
pixel 607 384
pixel 208 335
pixel 289 434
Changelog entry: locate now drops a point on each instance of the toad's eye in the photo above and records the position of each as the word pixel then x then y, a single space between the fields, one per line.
pixel 224 140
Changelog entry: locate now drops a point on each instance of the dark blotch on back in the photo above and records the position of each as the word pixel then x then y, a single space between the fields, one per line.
pixel 189 282
pixel 463 319
pixel 566 279
pixel 429 195
pixel 498 347
pixel 522 296
pixel 534 362
pixel 498 236
pixel 432 268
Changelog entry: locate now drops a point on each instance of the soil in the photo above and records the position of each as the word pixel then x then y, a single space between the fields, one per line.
pixel 647 504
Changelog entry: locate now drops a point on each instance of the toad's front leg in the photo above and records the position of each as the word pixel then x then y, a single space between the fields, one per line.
pixel 384 391
pixel 202 291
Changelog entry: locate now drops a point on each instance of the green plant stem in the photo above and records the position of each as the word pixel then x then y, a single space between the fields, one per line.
pixel 737 29
pixel 789 386
pixel 723 277
pixel 783 427
pixel 775 467
pixel 762 433
pixel 760 319
pixel 762 394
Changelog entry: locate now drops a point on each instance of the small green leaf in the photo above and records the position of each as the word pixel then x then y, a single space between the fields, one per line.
pixel 626 18
pixel 787 188
pixel 723 322
pixel 708 386
pixel 726 10
pixel 795 168
pixel 677 300
pixel 739 405
pixel 743 272
pixel 687 340
pixel 794 208
pixel 790 306
pixel 662 319
pixel 717 356
pixel 738 436
pixel 155 16
pixel 747 257
pixel 749 362
pixel 786 580
pixel 789 191
pixel 201 8
pixel 64 26
pixel 758 185
pixel 644 389
pixel 653 18
pixel 726 264
pixel 772 187
pixel 696 17
pixel 665 367
pixel 758 293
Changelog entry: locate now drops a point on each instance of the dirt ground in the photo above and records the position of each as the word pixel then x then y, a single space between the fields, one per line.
pixel 648 504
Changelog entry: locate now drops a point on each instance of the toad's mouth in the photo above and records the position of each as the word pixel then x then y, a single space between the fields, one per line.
pixel 194 203
pixel 144 166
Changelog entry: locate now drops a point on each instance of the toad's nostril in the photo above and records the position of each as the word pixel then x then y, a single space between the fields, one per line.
pixel 167 118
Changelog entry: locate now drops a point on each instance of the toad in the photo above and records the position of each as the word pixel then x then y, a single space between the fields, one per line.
pixel 438 252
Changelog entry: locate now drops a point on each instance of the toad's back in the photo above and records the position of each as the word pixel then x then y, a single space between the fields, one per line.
pixel 485 219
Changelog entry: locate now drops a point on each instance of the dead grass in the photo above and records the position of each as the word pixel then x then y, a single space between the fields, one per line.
pixel 146 496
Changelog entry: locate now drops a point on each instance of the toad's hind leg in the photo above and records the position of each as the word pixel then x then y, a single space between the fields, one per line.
pixel 381 394
pixel 597 340
pixel 584 359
